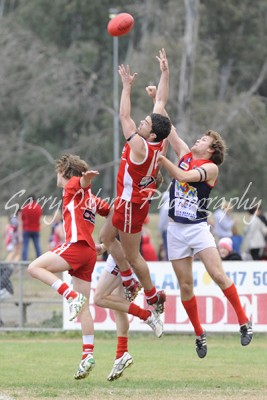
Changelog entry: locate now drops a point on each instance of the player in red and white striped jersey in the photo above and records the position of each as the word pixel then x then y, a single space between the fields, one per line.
pixel 136 181
pixel 77 254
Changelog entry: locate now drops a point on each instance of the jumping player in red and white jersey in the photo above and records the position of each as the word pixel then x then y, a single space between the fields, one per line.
pixel 188 231
pixel 77 254
pixel 136 181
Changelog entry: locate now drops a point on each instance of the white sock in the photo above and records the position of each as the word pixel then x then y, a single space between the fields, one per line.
pixel 56 285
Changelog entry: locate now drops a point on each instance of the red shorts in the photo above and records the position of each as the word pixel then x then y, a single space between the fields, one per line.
pixel 80 257
pixel 129 217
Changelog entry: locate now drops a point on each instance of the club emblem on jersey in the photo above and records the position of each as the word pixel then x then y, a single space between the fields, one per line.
pixel 184 166
pixel 146 181
pixel 89 216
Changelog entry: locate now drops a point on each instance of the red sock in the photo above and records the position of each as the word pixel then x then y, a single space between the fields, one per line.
pixel 190 307
pixel 66 291
pixel 138 312
pixel 151 295
pixel 87 349
pixel 127 277
pixel 122 346
pixel 232 296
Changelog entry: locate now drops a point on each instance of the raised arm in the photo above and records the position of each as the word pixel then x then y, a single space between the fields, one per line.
pixel 87 177
pixel 179 146
pixel 128 125
pixel 163 87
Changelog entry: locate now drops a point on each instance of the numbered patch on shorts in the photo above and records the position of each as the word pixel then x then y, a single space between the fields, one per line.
pixel 88 215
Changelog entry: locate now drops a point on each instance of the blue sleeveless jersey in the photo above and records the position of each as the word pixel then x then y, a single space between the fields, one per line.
pixel 189 201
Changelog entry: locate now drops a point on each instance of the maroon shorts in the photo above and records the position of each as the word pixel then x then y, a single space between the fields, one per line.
pixel 129 217
pixel 80 257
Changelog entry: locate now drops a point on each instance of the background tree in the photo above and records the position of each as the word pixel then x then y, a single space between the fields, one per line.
pixel 56 84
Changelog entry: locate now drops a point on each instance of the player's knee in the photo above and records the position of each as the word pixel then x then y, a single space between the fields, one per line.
pixel 186 289
pixel 106 238
pixel 32 269
pixel 219 278
pixel 98 299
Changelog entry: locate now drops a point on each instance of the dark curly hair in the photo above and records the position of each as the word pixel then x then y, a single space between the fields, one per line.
pixel 161 126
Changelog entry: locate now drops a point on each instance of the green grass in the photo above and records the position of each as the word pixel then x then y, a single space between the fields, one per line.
pixel 35 366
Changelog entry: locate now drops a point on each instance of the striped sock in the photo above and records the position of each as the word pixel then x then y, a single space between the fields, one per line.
pixel 151 295
pixel 127 277
pixel 63 289
pixel 87 349
pixel 88 345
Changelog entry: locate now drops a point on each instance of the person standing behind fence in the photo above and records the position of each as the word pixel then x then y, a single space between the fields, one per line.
pixel 57 235
pixel 254 236
pixel 31 222
pixel 223 221
pixel 13 239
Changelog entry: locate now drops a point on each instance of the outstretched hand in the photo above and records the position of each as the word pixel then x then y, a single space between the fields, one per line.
pixel 125 74
pixel 163 61
pixel 87 177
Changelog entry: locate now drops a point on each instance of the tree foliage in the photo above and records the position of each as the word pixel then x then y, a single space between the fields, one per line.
pixel 56 85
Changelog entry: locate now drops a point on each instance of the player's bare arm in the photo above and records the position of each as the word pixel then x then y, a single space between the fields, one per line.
pixel 207 173
pixel 128 125
pixel 87 177
pixel 179 146
pixel 163 86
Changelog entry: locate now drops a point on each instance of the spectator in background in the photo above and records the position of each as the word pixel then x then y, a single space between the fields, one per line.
pixel 237 239
pixel 261 215
pixel 223 222
pixel 225 247
pixel 164 219
pixel 13 239
pixel 254 238
pixel 6 286
pixel 13 248
pixel 57 235
pixel 31 217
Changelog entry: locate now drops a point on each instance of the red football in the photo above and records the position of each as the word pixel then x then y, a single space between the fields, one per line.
pixel 121 24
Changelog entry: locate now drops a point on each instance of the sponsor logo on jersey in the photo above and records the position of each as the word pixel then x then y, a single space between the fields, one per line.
pixel 146 181
pixel 184 166
pixel 89 216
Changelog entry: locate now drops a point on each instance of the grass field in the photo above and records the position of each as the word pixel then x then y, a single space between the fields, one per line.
pixel 41 366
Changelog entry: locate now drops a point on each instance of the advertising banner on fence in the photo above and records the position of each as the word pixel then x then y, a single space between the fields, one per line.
pixel 216 313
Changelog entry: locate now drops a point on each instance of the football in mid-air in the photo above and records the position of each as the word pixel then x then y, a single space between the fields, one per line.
pixel 121 24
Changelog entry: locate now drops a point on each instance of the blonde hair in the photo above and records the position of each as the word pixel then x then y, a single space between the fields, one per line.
pixel 219 147
pixel 70 165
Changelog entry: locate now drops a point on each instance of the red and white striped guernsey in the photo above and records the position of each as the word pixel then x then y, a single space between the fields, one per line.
pixel 79 209
pixel 136 182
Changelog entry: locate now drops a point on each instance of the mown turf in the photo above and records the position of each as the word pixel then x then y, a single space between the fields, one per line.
pixel 42 366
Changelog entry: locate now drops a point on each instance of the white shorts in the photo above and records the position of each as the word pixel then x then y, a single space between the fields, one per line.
pixel 186 240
